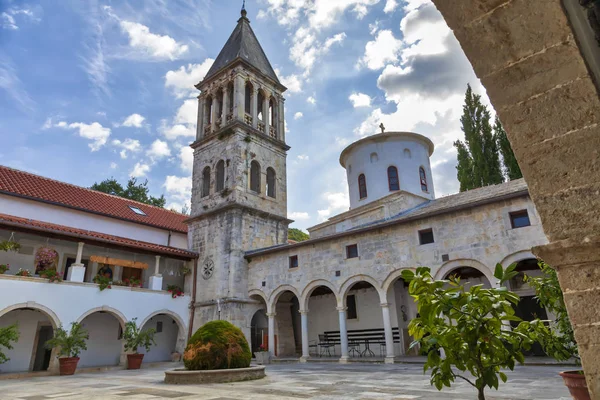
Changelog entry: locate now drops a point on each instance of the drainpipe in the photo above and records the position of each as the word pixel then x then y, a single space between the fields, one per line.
pixel 193 303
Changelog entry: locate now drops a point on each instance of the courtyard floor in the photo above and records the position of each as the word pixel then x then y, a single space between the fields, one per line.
pixel 324 381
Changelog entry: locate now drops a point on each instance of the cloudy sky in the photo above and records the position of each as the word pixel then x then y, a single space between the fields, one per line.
pixel 91 89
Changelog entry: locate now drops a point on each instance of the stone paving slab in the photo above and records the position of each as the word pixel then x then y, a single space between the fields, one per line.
pixel 287 382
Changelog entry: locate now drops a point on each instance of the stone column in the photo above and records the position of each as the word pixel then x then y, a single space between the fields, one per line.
pixel 225 109
pixel 254 108
pixel 214 114
pixel 156 279
pixel 578 268
pixel 200 121
pixel 265 114
pixel 343 334
pixel 305 348
pixel 389 334
pixel 76 271
pixel 271 333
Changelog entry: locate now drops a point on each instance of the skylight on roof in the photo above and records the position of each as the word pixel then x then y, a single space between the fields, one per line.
pixel 137 210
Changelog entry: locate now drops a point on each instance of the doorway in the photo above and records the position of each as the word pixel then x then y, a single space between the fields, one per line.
pixel 68 265
pixel 42 354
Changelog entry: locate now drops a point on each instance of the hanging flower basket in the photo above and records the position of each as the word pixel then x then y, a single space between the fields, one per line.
pixel 4 268
pixel 45 257
pixel 9 245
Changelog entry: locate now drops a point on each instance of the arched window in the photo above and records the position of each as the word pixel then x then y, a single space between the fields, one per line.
pixel 423 179
pixel 407 153
pixel 230 97
pixel 209 110
pixel 206 182
pixel 255 176
pixel 362 186
pixel 374 158
pixel 261 103
pixel 271 113
pixel 220 181
pixel 271 182
pixel 393 182
pixel 248 98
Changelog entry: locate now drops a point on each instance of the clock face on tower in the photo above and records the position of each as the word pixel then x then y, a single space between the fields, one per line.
pixel 208 268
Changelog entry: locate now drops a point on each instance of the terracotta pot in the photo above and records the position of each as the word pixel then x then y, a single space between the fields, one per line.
pixel 67 365
pixel 575 381
pixel 134 361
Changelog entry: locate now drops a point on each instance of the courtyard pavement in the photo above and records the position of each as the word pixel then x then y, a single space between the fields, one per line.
pixel 286 382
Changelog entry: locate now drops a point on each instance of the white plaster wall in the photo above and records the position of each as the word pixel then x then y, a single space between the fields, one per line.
pixel 165 340
pixel 103 346
pixel 20 355
pixel 81 220
pixel 390 152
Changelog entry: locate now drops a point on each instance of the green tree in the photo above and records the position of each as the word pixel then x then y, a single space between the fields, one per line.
pixel 511 167
pixel 478 156
pixel 470 327
pixel 135 337
pixel 71 343
pixel 133 191
pixel 8 335
pixel 297 235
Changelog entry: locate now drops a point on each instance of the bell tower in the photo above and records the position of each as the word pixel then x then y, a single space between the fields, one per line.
pixel 239 196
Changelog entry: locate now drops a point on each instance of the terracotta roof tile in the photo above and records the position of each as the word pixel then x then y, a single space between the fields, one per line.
pixel 11 221
pixel 35 187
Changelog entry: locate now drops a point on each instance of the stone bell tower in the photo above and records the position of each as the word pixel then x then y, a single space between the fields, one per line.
pixel 239 196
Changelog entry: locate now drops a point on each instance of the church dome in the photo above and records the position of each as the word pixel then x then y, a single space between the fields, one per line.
pixel 384 163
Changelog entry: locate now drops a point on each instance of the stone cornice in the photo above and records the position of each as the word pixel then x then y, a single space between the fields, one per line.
pixel 246 128
pixel 242 207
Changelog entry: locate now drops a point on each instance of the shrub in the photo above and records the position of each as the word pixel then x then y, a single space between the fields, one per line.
pixel 217 345
pixel 136 338
pixel 8 335
pixel 70 343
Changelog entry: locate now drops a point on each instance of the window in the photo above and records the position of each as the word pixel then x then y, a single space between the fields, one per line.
pixel 255 176
pixel 248 98
pixel 362 186
pixel 209 110
pixel 206 182
pixel 159 326
pixel 294 262
pixel 352 251
pixel 271 182
pixel 426 236
pixel 374 158
pixel 261 105
pixel 351 303
pixel 407 153
pixel 220 181
pixel 393 182
pixel 519 219
pixel 137 210
pixel 423 179
pixel 271 113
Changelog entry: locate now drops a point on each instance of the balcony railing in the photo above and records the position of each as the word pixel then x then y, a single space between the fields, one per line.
pixel 261 126
pixel 248 119
pixel 272 132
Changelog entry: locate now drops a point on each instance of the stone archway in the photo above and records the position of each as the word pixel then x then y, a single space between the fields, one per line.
pixel 170 336
pixel 105 326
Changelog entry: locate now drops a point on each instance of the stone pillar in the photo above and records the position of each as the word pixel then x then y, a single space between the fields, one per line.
pixel 76 271
pixel 156 279
pixel 200 121
pixel 578 268
pixel 214 114
pixel 343 335
pixel 265 113
pixel 254 108
pixel 305 348
pixel 225 108
pixel 389 334
pixel 271 333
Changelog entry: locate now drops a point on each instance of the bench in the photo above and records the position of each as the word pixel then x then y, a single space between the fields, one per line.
pixel 356 339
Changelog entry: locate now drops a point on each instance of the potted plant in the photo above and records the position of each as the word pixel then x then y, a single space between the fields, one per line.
pixel 23 272
pixel 103 282
pixel 4 268
pixel 51 275
pixel 70 344
pixel 175 291
pixel 263 357
pixel 132 282
pixel 8 335
pixel 9 245
pixel 563 346
pixel 45 258
pixel 134 339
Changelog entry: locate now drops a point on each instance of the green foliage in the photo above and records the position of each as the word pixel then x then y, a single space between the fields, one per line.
pixel 478 156
pixel 8 335
pixel 135 337
pixel 133 191
pixel 511 167
pixel 217 345
pixel 103 282
pixel 70 344
pixel 297 235
pixel 9 245
pixel 550 296
pixel 472 328
pixel 51 274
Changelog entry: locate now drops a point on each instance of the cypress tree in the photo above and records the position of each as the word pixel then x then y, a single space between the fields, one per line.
pixel 478 156
pixel 511 167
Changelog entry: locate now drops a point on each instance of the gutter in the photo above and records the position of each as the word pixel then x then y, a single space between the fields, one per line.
pixel 193 302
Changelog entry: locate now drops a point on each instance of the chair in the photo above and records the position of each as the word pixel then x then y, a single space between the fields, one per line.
pixel 325 345
pixel 312 344
pixel 354 348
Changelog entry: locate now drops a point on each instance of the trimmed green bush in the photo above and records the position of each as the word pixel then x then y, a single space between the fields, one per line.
pixel 217 345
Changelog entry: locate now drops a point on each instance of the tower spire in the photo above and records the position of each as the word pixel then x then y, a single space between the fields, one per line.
pixel 244 13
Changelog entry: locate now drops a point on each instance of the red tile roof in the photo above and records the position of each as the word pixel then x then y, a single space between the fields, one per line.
pixel 24 224
pixel 35 187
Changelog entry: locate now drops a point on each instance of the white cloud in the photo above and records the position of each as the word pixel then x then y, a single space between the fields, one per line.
pixel 311 100
pixel 360 100
pixel 182 80
pixel 186 157
pixel 139 170
pixel 158 150
pixel 299 216
pixel 113 165
pixel 384 49
pixel 123 154
pixel 178 131
pixel 307 48
pixel 128 145
pixel 95 132
pixel 47 124
pixel 10 82
pixel 390 6
pixel 8 21
pixel 298 115
pixel 150 44
pixel 342 141
pixel 187 113
pixel 292 82
pixel 179 187
pixel 303 157
pixel 336 203
pixel 134 120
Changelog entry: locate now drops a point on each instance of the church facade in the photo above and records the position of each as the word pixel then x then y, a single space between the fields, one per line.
pixel 340 293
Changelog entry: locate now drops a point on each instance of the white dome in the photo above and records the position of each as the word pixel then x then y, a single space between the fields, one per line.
pixel 377 157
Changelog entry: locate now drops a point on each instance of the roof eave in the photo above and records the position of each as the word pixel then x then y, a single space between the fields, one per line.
pixel 238 60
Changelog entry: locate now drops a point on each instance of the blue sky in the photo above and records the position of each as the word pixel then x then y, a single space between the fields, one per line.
pixel 91 89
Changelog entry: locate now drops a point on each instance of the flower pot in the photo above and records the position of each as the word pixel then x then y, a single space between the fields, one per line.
pixel 67 365
pixel 575 381
pixel 263 357
pixel 134 361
